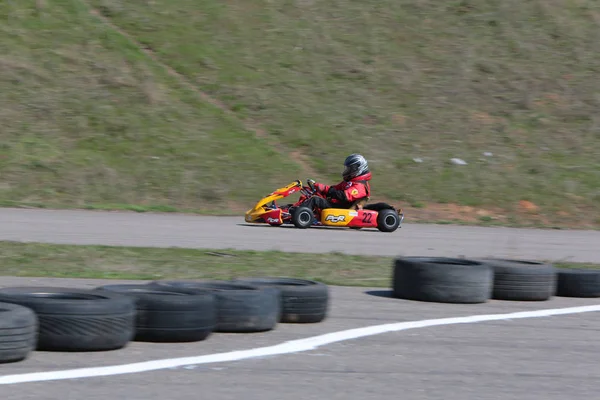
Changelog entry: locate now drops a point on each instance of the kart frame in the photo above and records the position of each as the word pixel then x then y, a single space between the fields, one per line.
pixel 381 215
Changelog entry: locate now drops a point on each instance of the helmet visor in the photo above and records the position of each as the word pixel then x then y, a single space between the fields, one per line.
pixel 347 171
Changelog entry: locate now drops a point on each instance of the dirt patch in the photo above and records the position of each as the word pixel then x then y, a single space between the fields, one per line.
pixel 528 206
pixel 520 216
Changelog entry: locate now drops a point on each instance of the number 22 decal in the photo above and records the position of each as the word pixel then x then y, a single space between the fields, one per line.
pixel 367 218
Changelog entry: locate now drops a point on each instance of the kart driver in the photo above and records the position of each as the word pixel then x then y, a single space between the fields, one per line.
pixel 353 187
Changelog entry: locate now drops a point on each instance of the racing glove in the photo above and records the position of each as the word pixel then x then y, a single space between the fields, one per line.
pixel 320 188
pixel 334 193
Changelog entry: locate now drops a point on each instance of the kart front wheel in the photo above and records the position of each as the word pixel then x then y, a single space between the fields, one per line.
pixel 388 220
pixel 303 217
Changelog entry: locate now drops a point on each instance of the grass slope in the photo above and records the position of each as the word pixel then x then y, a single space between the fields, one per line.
pixel 91 119
pixel 88 118
pixel 106 262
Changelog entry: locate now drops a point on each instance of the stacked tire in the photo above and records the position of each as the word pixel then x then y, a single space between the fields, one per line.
pixel 238 307
pixel 169 314
pixel 18 332
pixel 110 316
pixel 521 280
pixel 583 283
pixel 302 301
pixel 459 280
pixel 442 280
pixel 76 319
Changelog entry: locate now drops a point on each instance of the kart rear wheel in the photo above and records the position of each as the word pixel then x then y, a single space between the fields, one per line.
pixel 303 217
pixel 388 220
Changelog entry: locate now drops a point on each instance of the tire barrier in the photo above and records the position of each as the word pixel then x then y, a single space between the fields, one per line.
pixel 110 316
pixel 578 282
pixel 76 319
pixel 170 314
pixel 442 280
pixel 450 280
pixel 519 280
pixel 302 300
pixel 18 332
pixel 240 307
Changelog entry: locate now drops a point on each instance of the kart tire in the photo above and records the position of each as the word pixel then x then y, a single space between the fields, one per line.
pixel 240 307
pixel 388 220
pixel 521 280
pixel 76 319
pixel 170 314
pixel 18 332
pixel 442 280
pixel 583 283
pixel 302 300
pixel 303 217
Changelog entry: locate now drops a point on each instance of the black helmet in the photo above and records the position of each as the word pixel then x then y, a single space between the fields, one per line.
pixel 354 165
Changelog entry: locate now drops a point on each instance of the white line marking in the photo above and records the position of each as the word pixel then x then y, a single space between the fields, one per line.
pixel 294 346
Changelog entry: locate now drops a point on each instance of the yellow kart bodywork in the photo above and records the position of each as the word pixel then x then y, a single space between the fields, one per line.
pixel 338 216
pixel 256 213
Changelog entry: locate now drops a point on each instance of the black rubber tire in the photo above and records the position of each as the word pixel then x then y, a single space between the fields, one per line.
pixel 302 300
pixel 18 332
pixel 77 319
pixel 240 307
pixel 442 280
pixel 170 314
pixel 383 223
pixel 583 283
pixel 522 280
pixel 303 217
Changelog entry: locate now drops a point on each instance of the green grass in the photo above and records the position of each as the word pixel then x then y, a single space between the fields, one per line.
pixel 88 118
pixel 104 262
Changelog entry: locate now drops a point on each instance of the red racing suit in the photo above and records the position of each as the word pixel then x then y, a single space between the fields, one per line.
pixel 345 193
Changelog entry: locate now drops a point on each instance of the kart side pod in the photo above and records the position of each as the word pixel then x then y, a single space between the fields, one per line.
pixel 386 219
pixel 349 218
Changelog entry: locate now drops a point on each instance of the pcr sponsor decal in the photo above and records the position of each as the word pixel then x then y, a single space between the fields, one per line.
pixel 336 218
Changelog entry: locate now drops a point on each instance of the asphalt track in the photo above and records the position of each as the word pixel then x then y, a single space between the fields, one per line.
pixel 542 358
pixel 176 230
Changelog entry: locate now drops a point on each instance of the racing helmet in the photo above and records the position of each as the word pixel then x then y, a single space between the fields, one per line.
pixel 354 165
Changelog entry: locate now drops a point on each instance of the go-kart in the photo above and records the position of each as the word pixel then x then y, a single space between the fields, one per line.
pixel 359 215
